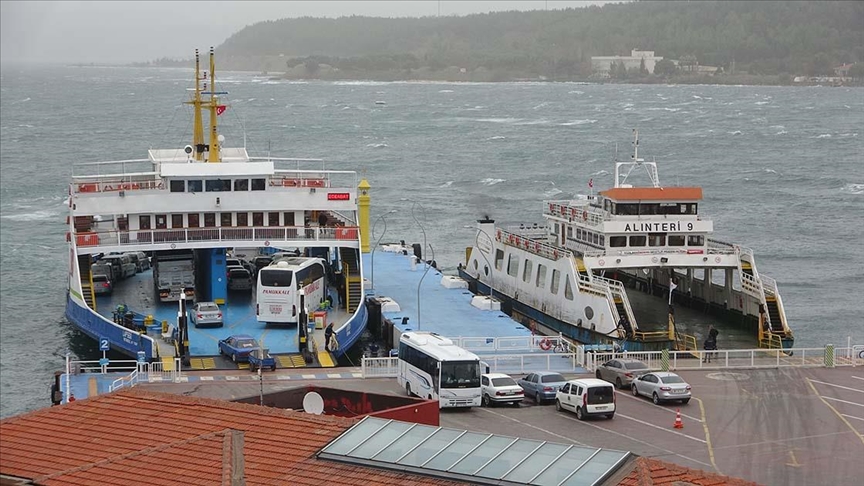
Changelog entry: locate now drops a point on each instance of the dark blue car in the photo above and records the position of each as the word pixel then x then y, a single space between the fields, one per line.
pixel 238 347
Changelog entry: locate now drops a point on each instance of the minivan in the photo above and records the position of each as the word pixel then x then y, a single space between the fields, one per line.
pixel 587 397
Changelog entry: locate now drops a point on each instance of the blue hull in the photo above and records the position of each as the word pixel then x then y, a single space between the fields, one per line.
pixel 350 332
pixel 97 327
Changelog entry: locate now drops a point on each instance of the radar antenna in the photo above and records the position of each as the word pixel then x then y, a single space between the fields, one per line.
pixel 634 163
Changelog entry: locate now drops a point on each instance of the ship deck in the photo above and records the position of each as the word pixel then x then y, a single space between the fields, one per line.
pixel 238 317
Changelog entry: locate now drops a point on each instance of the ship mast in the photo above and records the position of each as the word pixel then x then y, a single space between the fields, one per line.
pixel 213 149
pixel 198 125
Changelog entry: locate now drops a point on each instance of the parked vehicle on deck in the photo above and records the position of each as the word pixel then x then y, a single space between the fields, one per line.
pixel 499 388
pixel 104 268
pixel 260 358
pixel 621 371
pixel 662 386
pixel 542 385
pixel 206 314
pixel 102 285
pixel 239 279
pixel 124 263
pixel 142 261
pixel 586 397
pixel 238 347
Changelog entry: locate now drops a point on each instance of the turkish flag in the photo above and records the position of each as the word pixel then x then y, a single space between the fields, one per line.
pixel 220 109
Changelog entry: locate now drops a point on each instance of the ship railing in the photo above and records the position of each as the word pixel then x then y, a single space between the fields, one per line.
pixel 824 357
pixel 511 344
pixel 578 212
pixel 96 366
pixel 533 232
pixel 115 183
pixel 616 288
pixel 750 284
pixel 154 372
pixel 387 367
pixel 197 235
pixel 532 245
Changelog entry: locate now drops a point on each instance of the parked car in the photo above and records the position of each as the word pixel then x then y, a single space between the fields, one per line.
pixel 621 371
pixel 102 285
pixel 238 347
pixel 104 268
pixel 141 260
pixel 124 263
pixel 239 279
pixel 206 314
pixel 662 386
pixel 260 358
pixel 261 262
pixel 586 397
pixel 499 388
pixel 542 385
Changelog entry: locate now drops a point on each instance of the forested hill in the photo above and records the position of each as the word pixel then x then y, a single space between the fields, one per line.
pixel 760 37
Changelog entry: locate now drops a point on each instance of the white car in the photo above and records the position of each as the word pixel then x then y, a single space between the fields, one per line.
pixel 586 397
pixel 499 388
pixel 661 386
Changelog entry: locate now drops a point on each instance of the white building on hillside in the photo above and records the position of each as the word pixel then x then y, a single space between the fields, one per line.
pixel 602 64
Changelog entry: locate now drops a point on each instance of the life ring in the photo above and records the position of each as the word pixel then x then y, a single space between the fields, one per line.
pixel 498 235
pixel 584 215
pixel 545 344
pixel 537 247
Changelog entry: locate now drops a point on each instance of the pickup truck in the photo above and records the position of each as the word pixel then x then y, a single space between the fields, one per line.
pixel 260 358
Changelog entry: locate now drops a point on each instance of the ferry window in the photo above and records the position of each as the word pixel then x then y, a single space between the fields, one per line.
pixel 195 186
pixel 272 219
pixel 684 208
pixel 193 220
pixel 161 221
pixel 556 277
pixel 288 219
pixel 602 240
pixel 209 220
pixel 242 219
pixel 656 239
pixel 513 265
pixel 627 209
pixel 176 220
pixel 217 186
pixel 569 232
pixel 568 289
pixel 499 259
pixel 637 240
pixel 541 276
pixel 617 241
pixel 241 184
pixel 526 272
pixel 695 240
pixel 258 184
pixel 225 219
pixel 177 186
pixel 676 240
pixel 578 233
pixel 257 219
pixel 144 222
pixel 595 238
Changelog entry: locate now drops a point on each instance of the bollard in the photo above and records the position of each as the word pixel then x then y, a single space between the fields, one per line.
pixel 829 356
pixel 164 327
pixel 664 360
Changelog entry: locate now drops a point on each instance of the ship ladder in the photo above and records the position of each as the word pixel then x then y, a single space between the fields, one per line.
pixel 88 293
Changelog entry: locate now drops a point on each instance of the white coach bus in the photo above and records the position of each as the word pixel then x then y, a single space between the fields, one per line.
pixel 432 367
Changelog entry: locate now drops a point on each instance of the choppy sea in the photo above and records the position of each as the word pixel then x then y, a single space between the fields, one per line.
pixel 782 170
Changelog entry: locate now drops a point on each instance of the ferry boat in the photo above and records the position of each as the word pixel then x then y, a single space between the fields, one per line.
pixel 600 263
pixel 189 209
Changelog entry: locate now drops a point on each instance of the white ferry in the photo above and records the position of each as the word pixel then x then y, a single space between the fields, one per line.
pixel 578 273
pixel 189 210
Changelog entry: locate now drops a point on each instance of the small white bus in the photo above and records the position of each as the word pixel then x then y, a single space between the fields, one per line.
pixel 279 286
pixel 432 367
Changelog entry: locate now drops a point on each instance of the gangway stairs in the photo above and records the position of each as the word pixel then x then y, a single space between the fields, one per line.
pixel 353 280
pixel 88 293
pixel 773 328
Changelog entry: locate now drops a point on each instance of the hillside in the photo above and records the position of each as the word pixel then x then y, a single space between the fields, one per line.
pixel 755 38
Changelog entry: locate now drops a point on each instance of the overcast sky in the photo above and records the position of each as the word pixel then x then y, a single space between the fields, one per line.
pixel 129 31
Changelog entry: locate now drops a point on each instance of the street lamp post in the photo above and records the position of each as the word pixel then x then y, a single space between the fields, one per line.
pixel 423 230
pixel 372 254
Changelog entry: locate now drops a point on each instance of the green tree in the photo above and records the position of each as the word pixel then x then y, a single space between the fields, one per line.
pixel 665 67
pixel 642 69
pixel 857 70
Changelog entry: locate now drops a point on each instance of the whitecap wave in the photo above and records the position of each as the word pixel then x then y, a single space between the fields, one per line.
pixel 499 120
pixel 541 105
pixel 576 91
pixel 772 171
pixel 491 182
pixel 497 137
pixel 577 122
pixel 445 90
pixel 446 184
pixel 762 102
pixel 533 122
pixel 782 132
pixel 600 172
pixel 552 192
pixel 853 188
pixel 736 132
pixel 824 135
pixel 41 215
pixel 377 145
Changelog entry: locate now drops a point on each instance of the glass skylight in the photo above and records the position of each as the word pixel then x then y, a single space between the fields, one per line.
pixel 471 456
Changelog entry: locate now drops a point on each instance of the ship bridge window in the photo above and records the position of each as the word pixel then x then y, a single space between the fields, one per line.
pixel 676 240
pixel 695 240
pixel 258 184
pixel 617 241
pixel 258 219
pixel 569 232
pixel 217 186
pixel 627 209
pixel 241 184
pixel 242 219
pixel 176 220
pixel 556 280
pixel 195 186
pixel 225 219
pixel 541 276
pixel 513 265
pixel 177 186
pixel 656 239
pixel 193 220
pixel 526 272
pixel 209 220
pixel 568 289
pixel 499 259
pixel 637 240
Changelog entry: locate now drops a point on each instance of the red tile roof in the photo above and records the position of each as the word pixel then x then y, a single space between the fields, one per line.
pixel 149 438
pixel 654 193
pixel 651 472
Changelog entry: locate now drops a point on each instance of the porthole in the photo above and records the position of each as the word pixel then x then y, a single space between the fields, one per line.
pixel 486 269
pixel 589 313
pixel 475 265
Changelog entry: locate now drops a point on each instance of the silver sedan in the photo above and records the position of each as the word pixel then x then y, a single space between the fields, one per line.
pixel 621 371
pixel 206 314
pixel 661 386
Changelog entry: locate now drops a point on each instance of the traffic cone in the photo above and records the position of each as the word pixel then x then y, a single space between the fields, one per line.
pixel 678 423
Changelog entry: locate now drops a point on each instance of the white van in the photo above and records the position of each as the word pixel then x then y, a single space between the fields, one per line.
pixel 587 397
pixel 126 265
